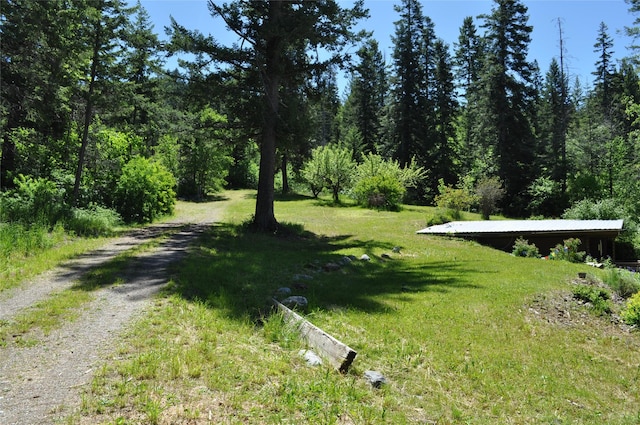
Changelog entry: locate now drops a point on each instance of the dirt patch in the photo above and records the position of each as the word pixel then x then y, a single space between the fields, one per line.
pixel 41 384
pixel 562 308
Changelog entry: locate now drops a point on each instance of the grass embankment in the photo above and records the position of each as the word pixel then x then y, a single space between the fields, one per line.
pixel 446 321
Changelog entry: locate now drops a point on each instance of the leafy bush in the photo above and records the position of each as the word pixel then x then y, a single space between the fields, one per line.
pixel 623 282
pixel 599 298
pixel 382 191
pixel 381 183
pixel 568 251
pixel 145 191
pixel 439 216
pixel 454 199
pixel 522 248
pixel 489 191
pixel 93 221
pixel 631 313
pixel 33 201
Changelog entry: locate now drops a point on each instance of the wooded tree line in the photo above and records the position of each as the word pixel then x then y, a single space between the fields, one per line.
pixel 85 90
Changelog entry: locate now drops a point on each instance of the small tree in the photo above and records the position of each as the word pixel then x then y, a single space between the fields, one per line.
pixel 454 199
pixel 489 191
pixel 330 166
pixel 313 172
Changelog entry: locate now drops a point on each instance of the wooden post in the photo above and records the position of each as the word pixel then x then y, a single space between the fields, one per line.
pixel 338 354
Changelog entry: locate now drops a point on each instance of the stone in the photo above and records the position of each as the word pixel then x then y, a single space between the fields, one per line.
pixel 365 257
pixel 331 267
pixel 396 250
pixel 283 292
pixel 386 256
pixel 375 378
pixel 310 357
pixel 295 301
pixel 346 261
pixel 301 276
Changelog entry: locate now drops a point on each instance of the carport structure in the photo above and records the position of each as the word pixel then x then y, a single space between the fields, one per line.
pixel 597 236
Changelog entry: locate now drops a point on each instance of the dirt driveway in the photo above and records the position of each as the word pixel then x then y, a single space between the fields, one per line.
pixel 41 384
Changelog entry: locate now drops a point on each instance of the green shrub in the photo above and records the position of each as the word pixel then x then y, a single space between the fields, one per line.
pixel 599 298
pixel 439 216
pixel 33 201
pixel 381 191
pixel 145 191
pixel 623 282
pixel 454 199
pixel 93 221
pixel 522 248
pixel 568 251
pixel 631 313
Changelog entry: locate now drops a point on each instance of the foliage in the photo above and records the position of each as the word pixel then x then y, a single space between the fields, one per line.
pixel 203 156
pixel 455 200
pixel 17 239
pixel 522 248
pixel 33 201
pixel 568 251
pixel 330 166
pixel 489 192
pixel 145 191
pixel 623 282
pixel 439 216
pixel 93 221
pixel 599 298
pixel 546 197
pixel 381 191
pixel 381 183
pixel 609 209
pixel 631 313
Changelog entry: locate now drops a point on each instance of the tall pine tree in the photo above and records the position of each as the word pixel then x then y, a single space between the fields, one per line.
pixel 506 81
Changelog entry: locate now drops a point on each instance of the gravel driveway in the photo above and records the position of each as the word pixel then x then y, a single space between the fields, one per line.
pixel 41 384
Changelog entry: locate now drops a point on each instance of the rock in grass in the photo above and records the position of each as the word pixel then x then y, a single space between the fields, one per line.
pixel 283 292
pixel 295 301
pixel 331 267
pixel 365 257
pixel 310 357
pixel 375 378
pixel 302 276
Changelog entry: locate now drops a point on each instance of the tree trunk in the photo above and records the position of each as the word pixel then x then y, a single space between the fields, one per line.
pixel 88 115
pixel 264 218
pixel 285 177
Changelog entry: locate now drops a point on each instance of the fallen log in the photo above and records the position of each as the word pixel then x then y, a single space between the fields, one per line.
pixel 338 354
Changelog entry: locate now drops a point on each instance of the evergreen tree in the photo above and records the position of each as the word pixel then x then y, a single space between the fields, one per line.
pixel 275 36
pixel 507 93
pixel 605 67
pixel 102 33
pixel 39 63
pixel 368 91
pixel 408 82
pixel 444 163
pixel 468 59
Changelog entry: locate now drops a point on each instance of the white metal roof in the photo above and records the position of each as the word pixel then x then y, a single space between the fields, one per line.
pixel 473 228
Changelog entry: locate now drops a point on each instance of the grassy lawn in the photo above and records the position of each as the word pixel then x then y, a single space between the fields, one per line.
pixel 449 323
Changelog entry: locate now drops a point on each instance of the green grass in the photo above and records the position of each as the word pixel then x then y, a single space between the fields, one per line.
pixel 446 321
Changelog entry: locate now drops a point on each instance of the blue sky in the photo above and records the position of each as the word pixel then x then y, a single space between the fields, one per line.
pixel 580 22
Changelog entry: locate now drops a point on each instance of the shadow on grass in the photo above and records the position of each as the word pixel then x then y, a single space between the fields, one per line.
pixel 238 272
